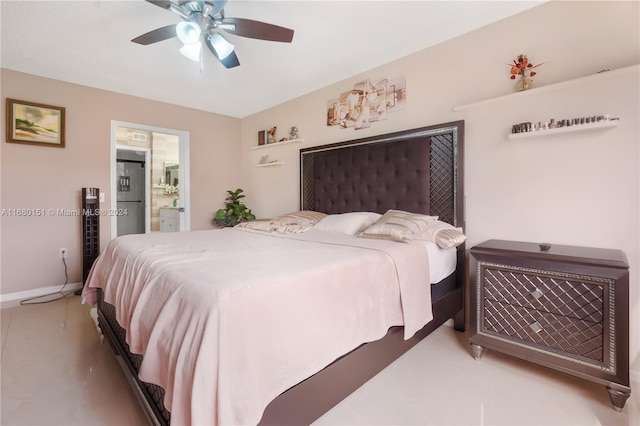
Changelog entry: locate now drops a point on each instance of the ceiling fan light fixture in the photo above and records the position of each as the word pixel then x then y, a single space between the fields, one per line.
pixel 202 20
pixel 188 32
pixel 192 51
pixel 222 47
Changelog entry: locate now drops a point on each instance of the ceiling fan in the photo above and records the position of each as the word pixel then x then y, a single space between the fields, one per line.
pixel 204 20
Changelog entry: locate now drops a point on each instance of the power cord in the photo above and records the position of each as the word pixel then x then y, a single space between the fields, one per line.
pixel 61 294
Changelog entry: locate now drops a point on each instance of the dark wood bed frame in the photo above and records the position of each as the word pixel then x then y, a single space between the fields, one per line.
pixel 419 170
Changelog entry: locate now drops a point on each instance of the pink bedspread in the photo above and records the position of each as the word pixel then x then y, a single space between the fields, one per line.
pixel 228 319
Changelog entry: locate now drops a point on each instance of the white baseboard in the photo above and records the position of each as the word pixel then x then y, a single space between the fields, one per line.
pixel 13 299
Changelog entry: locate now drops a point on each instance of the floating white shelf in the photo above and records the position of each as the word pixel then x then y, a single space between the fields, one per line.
pixel 270 145
pixel 569 129
pixel 551 87
pixel 271 163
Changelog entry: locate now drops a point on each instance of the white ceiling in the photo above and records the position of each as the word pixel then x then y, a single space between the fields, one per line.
pixel 88 43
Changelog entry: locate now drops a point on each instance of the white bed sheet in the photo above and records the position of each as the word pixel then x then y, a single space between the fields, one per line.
pixel 442 262
pixel 224 336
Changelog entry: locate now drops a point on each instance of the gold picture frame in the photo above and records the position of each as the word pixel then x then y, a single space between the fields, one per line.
pixel 35 124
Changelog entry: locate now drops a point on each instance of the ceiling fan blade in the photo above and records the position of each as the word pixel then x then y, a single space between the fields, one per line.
pixel 230 61
pixel 165 4
pixel 257 29
pixel 156 35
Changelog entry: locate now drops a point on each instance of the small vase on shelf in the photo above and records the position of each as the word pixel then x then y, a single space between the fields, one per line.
pixel 523 83
pixel 522 69
pixel 271 135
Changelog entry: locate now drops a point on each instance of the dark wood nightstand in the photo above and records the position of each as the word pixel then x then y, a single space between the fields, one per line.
pixel 563 307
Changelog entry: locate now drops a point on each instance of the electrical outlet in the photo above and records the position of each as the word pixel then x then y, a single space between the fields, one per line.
pixel 63 253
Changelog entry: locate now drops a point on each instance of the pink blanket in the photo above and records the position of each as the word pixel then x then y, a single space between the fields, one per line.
pixel 228 319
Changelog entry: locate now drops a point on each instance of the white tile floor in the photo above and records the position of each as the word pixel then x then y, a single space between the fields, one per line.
pixel 55 371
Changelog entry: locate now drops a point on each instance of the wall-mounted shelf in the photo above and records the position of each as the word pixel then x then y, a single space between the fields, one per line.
pixel 270 145
pixel 569 129
pixel 552 87
pixel 271 163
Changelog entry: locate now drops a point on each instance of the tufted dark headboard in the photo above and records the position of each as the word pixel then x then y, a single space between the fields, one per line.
pixel 419 170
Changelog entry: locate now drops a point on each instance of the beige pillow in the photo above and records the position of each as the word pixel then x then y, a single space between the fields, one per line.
pixel 443 234
pixel 398 225
pixel 290 223
pixel 307 216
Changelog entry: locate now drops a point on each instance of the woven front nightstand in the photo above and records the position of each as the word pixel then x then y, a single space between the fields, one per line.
pixel 563 307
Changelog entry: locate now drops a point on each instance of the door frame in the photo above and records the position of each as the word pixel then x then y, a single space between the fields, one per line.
pixel 184 172
pixel 147 184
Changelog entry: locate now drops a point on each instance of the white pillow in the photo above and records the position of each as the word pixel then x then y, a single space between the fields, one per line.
pixel 398 225
pixel 443 234
pixel 347 223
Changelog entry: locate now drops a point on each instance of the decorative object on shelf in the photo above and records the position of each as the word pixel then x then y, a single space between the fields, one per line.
pixel 553 124
pixel 272 134
pixel 366 103
pixel 523 68
pixel 262 137
pixel 35 124
pixel 293 133
pixel 566 129
pixel 234 210
pixel 264 161
pixel 170 189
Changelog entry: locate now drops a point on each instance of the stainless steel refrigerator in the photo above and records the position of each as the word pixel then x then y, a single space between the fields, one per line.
pixel 131 196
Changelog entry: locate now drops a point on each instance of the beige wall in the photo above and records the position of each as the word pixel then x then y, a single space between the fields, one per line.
pixel 577 189
pixel 52 178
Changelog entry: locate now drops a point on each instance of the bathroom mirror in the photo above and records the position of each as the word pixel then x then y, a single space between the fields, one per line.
pixel 171 171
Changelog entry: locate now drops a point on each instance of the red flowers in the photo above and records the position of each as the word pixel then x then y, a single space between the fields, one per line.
pixel 520 67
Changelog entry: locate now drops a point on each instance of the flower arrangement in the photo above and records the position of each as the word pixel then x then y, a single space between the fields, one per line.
pixel 272 134
pixel 520 67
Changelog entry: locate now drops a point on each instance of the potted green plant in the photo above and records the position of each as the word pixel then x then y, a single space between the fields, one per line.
pixel 234 210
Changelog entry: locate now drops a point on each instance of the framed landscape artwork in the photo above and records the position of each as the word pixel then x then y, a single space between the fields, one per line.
pixel 35 124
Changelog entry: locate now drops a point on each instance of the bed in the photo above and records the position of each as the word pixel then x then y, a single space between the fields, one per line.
pixel 300 358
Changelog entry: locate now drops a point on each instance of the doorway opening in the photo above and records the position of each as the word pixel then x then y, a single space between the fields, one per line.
pixel 149 179
pixel 133 199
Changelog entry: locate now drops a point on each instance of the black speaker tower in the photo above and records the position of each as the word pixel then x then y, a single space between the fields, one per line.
pixel 90 231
